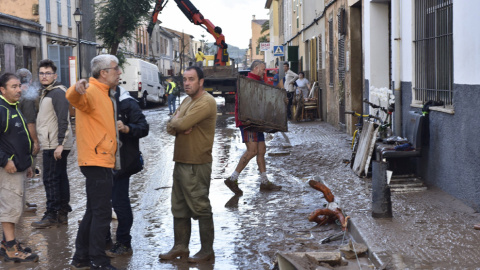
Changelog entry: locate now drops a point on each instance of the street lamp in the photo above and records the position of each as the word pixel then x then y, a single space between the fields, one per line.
pixel 77 16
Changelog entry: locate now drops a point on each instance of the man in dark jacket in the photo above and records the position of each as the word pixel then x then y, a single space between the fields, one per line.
pixel 16 147
pixel 132 126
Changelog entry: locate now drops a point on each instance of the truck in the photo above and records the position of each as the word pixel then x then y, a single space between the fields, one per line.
pixel 220 81
pixel 220 75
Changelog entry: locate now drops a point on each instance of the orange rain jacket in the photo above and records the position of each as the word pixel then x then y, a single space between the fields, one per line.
pixel 94 125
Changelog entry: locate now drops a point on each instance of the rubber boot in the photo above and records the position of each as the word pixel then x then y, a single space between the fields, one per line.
pixel 206 238
pixel 182 228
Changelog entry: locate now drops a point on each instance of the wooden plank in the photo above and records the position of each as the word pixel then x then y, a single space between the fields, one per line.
pixel 262 104
pixel 367 139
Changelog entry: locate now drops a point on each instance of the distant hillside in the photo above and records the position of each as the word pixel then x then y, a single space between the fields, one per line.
pixel 234 52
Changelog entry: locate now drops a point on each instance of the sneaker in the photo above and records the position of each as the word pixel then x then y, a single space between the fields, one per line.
pixel 79 265
pixel 48 220
pixel 269 186
pixel 17 254
pixel 119 249
pixel 233 186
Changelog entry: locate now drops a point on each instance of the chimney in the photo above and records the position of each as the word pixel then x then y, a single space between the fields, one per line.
pixel 253 17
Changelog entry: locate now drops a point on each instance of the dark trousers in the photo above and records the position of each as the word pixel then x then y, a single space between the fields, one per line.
pixel 123 209
pixel 55 180
pixel 290 96
pixel 95 225
pixel 171 103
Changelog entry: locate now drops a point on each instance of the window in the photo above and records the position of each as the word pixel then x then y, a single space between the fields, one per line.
pixel 59 12
pixel 330 51
pixel 59 55
pixel 320 59
pixel 433 51
pixel 341 44
pixel 47 7
pixel 69 13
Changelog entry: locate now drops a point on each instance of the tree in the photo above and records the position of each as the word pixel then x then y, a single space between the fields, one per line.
pixel 117 20
pixel 206 47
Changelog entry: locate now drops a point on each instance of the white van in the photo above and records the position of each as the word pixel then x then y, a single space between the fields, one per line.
pixel 142 80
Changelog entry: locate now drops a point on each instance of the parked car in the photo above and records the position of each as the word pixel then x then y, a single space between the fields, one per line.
pixel 142 80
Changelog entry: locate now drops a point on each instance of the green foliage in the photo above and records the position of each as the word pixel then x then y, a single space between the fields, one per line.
pixel 265 27
pixel 116 20
pixel 121 58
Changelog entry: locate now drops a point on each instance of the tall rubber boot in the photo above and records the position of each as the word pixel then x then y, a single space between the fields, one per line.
pixel 206 238
pixel 182 228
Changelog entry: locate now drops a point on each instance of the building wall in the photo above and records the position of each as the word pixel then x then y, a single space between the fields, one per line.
pixel 450 154
pixel 256 29
pixel 314 36
pixel 274 34
pixel 188 49
pixel 379 47
pixel 20 39
pixel 60 39
pixel 25 9
pixel 338 92
pixel 451 161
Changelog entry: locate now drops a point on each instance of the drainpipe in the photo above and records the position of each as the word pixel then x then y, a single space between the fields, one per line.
pixel 396 81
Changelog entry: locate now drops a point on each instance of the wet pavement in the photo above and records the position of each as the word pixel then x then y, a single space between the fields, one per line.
pixel 429 230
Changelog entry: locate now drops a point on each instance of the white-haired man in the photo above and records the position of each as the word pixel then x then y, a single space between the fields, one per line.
pixel 98 154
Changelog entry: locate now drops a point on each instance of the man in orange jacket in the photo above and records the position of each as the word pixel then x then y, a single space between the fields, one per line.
pixel 97 155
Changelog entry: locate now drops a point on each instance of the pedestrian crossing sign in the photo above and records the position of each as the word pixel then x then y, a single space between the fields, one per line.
pixel 278 51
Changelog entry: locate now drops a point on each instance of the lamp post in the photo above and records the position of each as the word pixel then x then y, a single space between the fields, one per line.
pixel 77 16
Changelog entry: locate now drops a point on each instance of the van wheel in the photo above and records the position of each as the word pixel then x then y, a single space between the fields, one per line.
pixel 143 101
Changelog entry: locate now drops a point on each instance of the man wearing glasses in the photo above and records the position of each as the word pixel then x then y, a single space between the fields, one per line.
pixel 98 154
pixel 56 140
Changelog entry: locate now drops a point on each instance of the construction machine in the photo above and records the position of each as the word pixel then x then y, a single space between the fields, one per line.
pixel 221 77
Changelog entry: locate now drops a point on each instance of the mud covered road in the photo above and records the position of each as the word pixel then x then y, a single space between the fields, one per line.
pixel 249 230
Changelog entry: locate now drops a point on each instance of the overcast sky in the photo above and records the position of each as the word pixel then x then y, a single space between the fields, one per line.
pixel 233 16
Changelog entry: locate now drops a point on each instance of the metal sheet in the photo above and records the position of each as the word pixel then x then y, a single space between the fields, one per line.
pixel 262 104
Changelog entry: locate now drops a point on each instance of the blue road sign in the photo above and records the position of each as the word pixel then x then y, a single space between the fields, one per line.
pixel 278 51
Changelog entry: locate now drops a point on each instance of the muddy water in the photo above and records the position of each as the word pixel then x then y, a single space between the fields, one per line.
pixel 249 230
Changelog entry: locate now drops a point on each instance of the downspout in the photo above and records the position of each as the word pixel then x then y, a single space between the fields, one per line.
pixel 396 80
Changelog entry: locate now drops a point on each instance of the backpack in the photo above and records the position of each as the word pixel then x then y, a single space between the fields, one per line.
pixel 176 91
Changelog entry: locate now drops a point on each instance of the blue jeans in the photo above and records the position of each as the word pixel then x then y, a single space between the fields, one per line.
pixel 55 180
pixel 123 209
pixel 95 225
pixel 171 103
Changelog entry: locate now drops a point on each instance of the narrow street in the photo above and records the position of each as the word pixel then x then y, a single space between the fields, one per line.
pixel 249 230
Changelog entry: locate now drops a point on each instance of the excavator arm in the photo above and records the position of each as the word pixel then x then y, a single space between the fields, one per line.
pixel 194 15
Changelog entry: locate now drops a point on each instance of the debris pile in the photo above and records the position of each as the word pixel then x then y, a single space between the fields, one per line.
pixel 331 212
